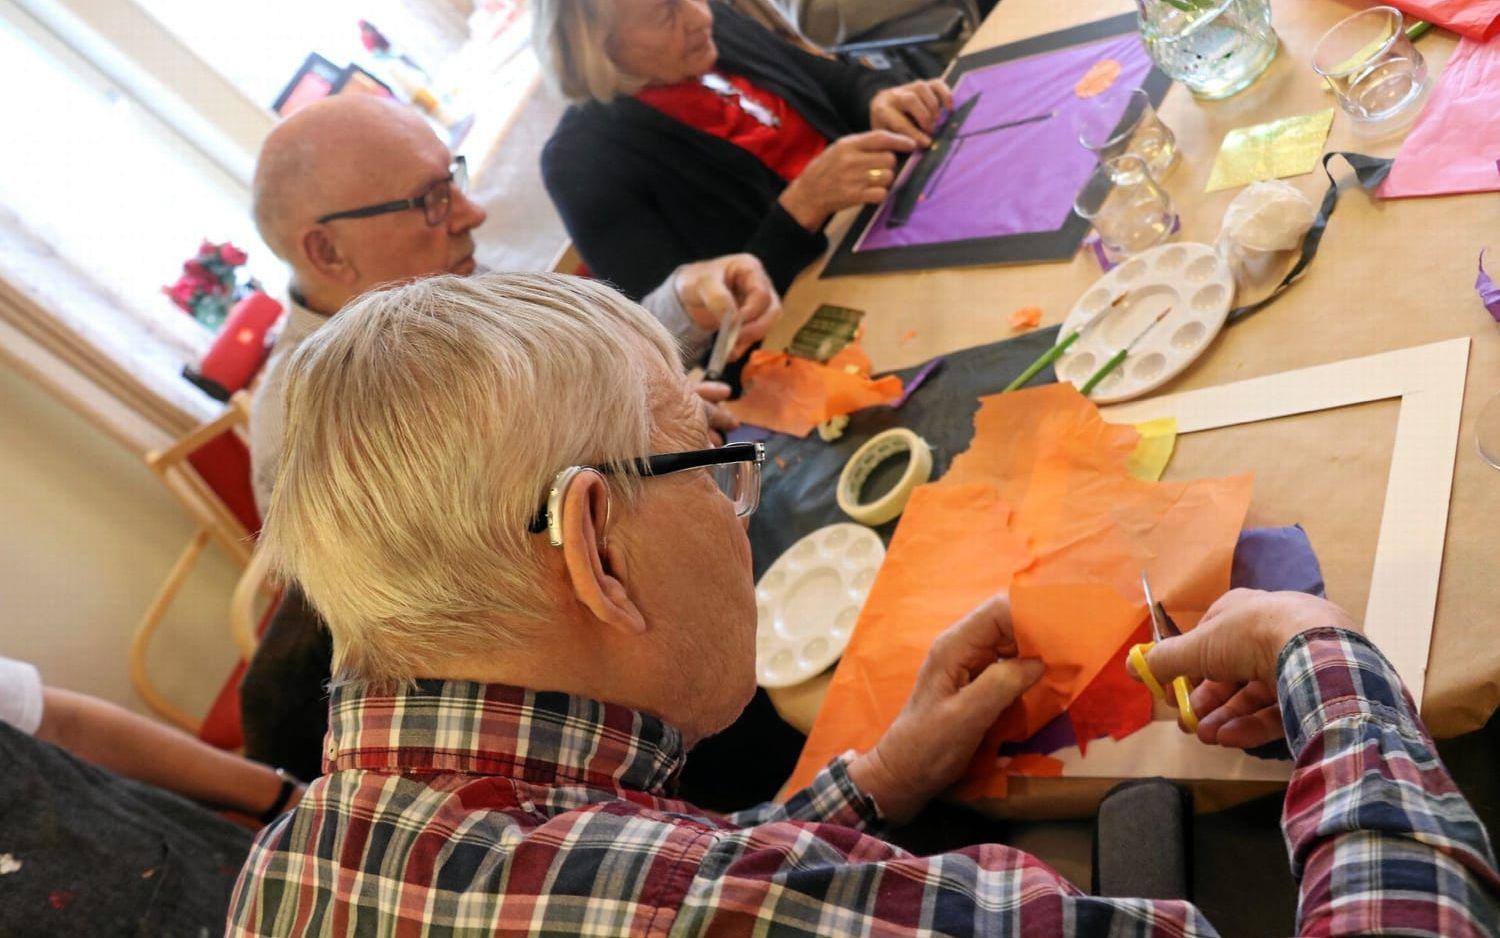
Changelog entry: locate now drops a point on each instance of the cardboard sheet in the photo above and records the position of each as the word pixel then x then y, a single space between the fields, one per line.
pixel 1477 19
pixel 1287 147
pixel 792 395
pixel 1454 146
pixel 1042 505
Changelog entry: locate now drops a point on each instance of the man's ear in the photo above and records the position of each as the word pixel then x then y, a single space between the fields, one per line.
pixel 585 517
pixel 322 254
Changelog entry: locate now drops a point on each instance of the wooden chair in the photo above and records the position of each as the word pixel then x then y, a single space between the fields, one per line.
pixel 208 472
pixel 568 261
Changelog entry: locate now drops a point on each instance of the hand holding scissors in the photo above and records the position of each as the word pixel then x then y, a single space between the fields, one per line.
pixel 1162 627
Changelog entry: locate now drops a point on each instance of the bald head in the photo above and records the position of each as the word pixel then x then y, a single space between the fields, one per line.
pixel 348 152
pixel 314 162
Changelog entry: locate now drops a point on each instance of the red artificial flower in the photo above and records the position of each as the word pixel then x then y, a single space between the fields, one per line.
pixel 231 255
pixel 197 270
pixel 182 293
pixel 207 248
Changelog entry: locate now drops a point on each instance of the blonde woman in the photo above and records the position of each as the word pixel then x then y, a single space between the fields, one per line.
pixel 695 132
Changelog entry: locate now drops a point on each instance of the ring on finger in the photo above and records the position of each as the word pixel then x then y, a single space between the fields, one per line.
pixel 877 176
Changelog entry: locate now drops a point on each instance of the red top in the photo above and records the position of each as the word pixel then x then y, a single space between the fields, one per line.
pixel 786 149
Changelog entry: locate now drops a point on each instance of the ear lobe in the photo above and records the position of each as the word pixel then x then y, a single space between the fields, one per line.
pixel 585 519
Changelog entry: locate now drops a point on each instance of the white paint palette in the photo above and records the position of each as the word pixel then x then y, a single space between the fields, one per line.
pixel 1190 279
pixel 809 600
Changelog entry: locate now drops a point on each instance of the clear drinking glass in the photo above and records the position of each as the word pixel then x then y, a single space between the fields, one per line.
pixel 1126 206
pixel 1487 432
pixel 1115 123
pixel 1373 68
pixel 1214 47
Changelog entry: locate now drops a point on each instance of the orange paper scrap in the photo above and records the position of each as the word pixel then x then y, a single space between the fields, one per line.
pixel 792 395
pixel 1114 704
pixel 1027 317
pixel 1042 506
pixel 1098 79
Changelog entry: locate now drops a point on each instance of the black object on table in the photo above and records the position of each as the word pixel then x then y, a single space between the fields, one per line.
pixel 800 476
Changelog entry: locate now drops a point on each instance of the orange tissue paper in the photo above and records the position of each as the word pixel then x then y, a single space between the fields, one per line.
pixel 791 395
pixel 1041 506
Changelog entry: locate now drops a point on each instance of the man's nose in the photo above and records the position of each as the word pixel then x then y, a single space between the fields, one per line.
pixel 466 215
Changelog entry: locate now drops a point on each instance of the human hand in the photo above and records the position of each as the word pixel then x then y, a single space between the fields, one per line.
pixel 911 109
pixel 1234 651
pixel 720 420
pixel 853 170
pixel 735 283
pixel 971 674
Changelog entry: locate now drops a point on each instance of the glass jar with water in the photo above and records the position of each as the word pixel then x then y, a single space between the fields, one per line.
pixel 1214 47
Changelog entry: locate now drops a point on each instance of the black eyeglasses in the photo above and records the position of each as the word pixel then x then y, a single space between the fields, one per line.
pixel 736 471
pixel 436 203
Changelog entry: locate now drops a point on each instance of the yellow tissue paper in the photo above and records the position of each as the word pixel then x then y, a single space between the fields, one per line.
pixel 1288 147
pixel 1151 455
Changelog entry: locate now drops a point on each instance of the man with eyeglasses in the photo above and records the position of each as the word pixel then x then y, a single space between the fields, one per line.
pixel 534 624
pixel 356 192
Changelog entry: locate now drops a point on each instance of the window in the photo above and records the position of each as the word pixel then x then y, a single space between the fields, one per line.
pixel 115 192
pixel 259 46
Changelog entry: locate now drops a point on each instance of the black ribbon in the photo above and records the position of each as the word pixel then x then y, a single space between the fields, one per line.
pixel 1369 172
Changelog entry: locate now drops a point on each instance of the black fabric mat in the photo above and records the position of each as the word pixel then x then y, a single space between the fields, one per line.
pixel 800 476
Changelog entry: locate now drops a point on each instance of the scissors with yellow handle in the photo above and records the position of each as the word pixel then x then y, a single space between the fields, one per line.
pixel 1162 627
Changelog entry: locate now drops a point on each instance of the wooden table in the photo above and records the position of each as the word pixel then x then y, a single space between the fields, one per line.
pixel 1390 275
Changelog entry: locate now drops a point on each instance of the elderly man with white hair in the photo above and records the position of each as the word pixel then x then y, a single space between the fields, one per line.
pixel 503 498
pixel 353 193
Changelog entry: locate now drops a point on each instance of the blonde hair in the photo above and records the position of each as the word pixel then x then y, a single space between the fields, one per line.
pixel 571 39
pixel 424 424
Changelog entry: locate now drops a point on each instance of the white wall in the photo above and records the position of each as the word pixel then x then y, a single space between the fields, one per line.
pixel 87 535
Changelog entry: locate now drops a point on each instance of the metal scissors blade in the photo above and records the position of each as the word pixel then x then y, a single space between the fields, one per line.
pixel 1162 626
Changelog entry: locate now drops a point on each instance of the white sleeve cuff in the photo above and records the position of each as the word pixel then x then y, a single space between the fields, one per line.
pixel 20 695
pixel 663 303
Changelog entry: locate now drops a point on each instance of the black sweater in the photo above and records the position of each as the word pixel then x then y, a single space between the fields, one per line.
pixel 641 193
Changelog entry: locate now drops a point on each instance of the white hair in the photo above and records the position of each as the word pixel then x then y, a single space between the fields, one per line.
pixel 571 38
pixel 424 424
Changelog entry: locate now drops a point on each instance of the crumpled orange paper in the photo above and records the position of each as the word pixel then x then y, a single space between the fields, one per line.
pixel 1041 505
pixel 1098 79
pixel 792 395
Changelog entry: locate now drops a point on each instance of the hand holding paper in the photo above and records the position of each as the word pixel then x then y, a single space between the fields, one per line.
pixel 970 675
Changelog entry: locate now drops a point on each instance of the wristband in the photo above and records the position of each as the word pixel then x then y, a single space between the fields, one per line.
pixel 288 785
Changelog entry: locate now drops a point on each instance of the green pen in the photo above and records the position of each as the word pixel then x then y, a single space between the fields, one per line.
pixel 1051 355
pixel 1118 357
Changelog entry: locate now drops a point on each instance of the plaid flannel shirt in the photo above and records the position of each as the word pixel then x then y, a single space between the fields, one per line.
pixel 458 808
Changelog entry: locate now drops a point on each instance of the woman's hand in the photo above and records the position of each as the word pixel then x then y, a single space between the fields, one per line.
pixel 971 674
pixel 1234 651
pixel 911 110
pixel 853 170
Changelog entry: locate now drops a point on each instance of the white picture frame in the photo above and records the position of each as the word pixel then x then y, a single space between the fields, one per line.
pixel 1429 382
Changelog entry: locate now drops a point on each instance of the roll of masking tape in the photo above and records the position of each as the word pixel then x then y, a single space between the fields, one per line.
pixel 879 448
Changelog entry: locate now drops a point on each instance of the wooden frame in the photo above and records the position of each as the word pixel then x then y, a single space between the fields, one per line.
pixel 1429 382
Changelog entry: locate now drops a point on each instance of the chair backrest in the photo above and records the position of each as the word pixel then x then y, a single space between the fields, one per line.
pixel 772 17
pixel 208 472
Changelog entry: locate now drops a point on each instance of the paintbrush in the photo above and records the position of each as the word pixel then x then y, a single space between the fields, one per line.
pixel 729 330
pixel 1118 357
pixel 1051 355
